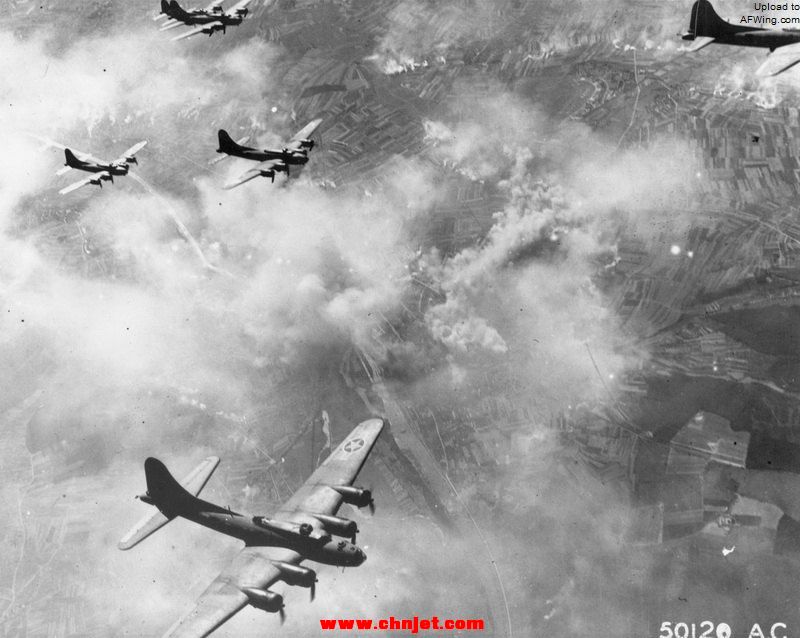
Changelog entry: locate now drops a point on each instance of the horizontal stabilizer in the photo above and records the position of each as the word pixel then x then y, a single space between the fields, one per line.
pixel 149 524
pixel 699 43
pixel 194 482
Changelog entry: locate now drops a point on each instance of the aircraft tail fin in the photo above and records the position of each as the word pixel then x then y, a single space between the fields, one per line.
pixel 165 7
pixel 705 22
pixel 162 488
pixel 226 143
pixel 176 10
pixel 167 495
pixel 72 161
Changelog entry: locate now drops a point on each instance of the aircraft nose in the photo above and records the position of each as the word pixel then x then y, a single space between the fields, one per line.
pixel 361 556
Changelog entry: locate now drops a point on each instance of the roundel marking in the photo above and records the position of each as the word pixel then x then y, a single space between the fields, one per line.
pixel 353 445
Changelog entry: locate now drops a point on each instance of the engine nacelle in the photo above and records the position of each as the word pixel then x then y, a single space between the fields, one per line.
pixel 337 525
pixel 242 12
pixel 264 599
pixel 357 496
pixel 131 160
pixel 296 575
pixel 307 144
pixel 210 30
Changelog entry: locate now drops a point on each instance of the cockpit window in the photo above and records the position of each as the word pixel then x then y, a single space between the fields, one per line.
pixel 341 545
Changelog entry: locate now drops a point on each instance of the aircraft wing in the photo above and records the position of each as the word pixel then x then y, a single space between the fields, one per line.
pixel 171 24
pixel 698 43
pixel 780 60
pixel 303 133
pixel 216 605
pixel 197 30
pixel 131 151
pixel 252 567
pixel 63 170
pixel 340 468
pixel 252 173
pixel 239 5
pixel 212 4
pixel 194 482
pixel 83 182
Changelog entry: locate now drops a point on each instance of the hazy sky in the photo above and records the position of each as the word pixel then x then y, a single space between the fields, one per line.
pixel 112 322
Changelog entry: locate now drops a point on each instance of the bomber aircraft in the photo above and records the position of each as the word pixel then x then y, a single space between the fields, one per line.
pixel 208 20
pixel 301 529
pixel 272 160
pixel 100 169
pixel 706 27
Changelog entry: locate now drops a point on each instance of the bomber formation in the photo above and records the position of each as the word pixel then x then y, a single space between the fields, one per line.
pixel 705 28
pixel 303 528
pixel 208 20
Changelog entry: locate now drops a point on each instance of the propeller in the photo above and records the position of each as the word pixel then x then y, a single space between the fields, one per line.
pixel 313 590
pixel 282 614
pixel 371 502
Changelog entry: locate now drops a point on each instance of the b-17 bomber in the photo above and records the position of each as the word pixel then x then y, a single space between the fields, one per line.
pixel 301 529
pixel 208 20
pixel 294 153
pixel 101 170
pixel 706 27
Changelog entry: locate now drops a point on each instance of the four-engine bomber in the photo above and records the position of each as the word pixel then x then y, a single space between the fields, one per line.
pixel 303 529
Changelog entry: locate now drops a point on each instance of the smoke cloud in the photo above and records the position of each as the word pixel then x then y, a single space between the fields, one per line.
pixel 122 343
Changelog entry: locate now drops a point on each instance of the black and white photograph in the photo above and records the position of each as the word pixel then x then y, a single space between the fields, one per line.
pixel 456 318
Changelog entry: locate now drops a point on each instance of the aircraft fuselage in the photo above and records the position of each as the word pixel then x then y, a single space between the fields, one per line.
pixel 295 158
pixel 319 548
pixel 114 169
pixel 755 37
pixel 206 18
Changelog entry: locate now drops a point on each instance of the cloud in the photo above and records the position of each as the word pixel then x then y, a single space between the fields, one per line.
pixel 113 329
pixel 130 346
pixel 529 289
pixel 421 32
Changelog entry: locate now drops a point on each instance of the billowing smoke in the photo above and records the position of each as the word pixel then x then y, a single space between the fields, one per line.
pixel 121 342
pixel 528 290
